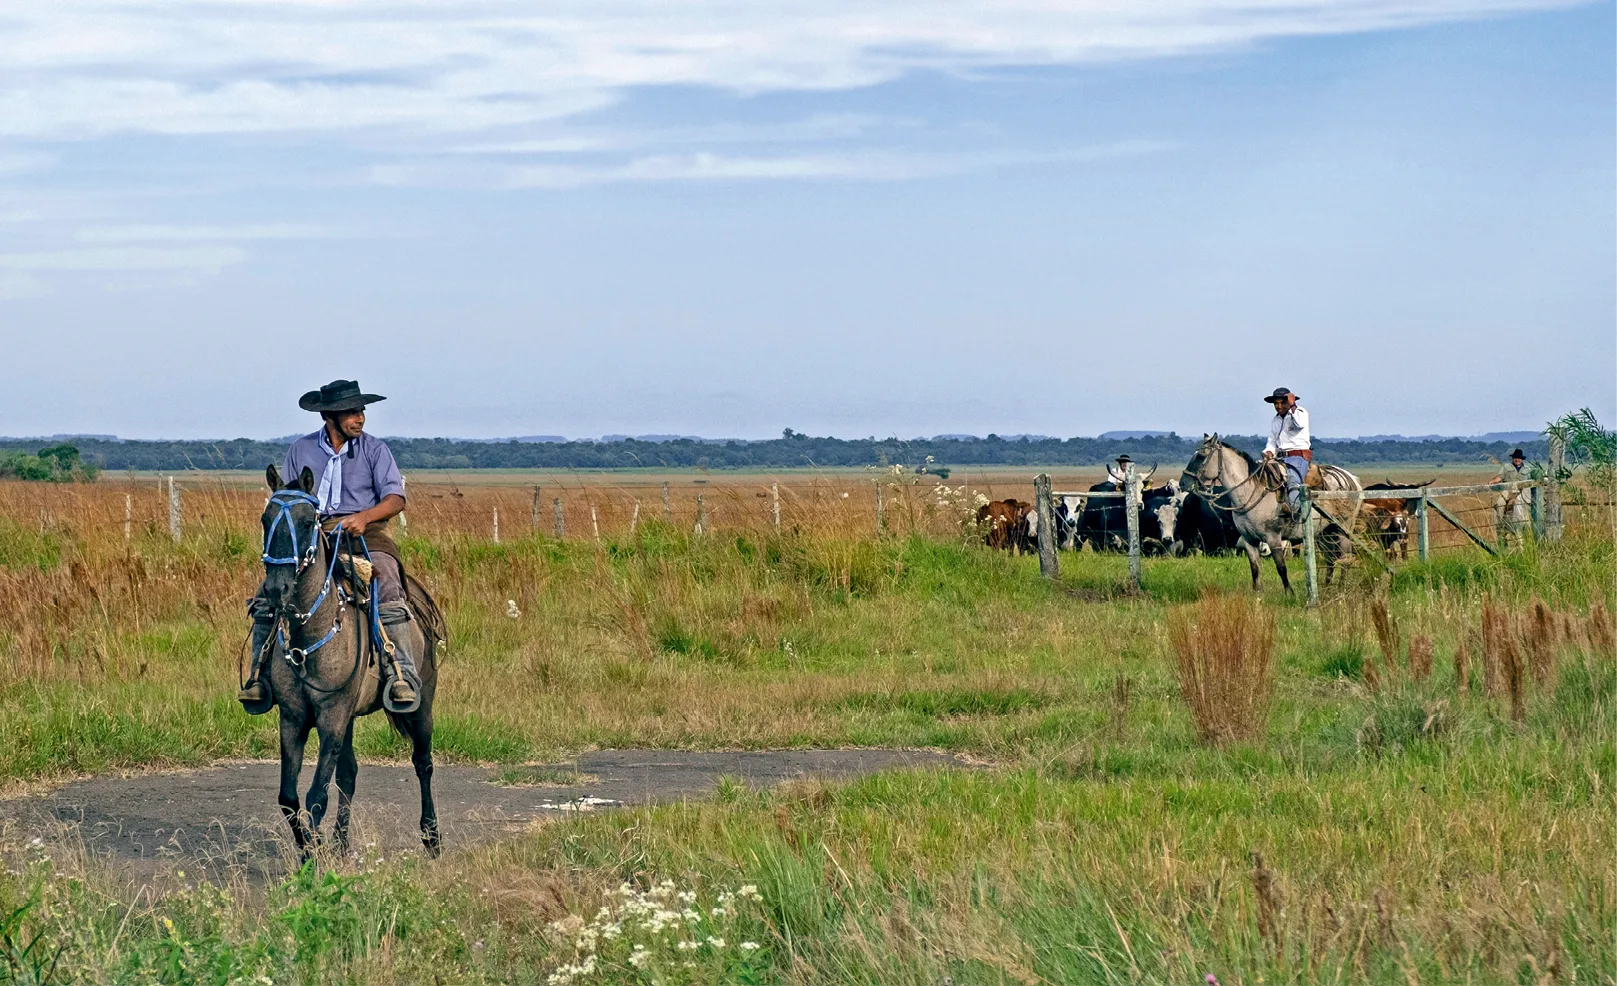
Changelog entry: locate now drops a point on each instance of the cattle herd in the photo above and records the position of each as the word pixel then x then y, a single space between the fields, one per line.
pixel 1175 521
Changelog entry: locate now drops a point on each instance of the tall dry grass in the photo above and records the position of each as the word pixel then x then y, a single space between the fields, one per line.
pixel 1224 650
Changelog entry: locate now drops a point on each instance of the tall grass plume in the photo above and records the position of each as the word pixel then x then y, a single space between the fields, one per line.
pixel 1224 649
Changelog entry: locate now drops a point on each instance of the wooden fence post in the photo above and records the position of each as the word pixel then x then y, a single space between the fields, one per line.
pixel 668 510
pixel 634 518
pixel 701 515
pixel 496 525
pixel 1535 509
pixel 595 524
pixel 174 519
pixel 774 494
pixel 561 519
pixel 1552 489
pixel 1131 510
pixel 1049 565
pixel 535 525
pixel 881 510
pixel 129 515
pixel 1423 529
pixel 1310 550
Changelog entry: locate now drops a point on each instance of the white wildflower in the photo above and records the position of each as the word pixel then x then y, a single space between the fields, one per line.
pixel 511 609
pixel 748 946
pixel 715 942
pixel 687 946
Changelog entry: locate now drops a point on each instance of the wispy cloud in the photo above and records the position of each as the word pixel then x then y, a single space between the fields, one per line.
pixel 851 166
pixel 203 259
pixel 407 66
pixel 207 234
pixel 16 285
pixel 21 164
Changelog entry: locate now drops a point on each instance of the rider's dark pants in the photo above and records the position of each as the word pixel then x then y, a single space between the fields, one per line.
pixel 389 582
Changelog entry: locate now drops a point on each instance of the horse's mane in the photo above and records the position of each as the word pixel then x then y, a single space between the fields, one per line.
pixel 1214 442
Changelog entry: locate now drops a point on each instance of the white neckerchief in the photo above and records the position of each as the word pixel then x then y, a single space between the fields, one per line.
pixel 330 491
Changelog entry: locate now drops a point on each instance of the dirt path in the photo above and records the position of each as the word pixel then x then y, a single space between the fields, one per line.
pixel 227 814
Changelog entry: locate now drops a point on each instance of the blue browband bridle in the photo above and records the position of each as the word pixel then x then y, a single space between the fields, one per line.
pixel 284 501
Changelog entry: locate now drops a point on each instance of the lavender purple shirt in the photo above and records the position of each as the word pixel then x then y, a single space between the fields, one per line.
pixel 369 471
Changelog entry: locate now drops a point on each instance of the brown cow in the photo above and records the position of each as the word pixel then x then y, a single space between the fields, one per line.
pixel 1005 524
pixel 1386 519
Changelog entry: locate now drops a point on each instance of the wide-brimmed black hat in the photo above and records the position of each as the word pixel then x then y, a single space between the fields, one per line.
pixel 338 395
pixel 1281 393
pixel 1124 459
pixel 1517 453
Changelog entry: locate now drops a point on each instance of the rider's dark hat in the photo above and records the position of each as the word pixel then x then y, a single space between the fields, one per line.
pixel 338 395
pixel 1281 393
pixel 1517 453
pixel 1124 459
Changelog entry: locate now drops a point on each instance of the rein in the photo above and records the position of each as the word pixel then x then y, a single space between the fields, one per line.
pixel 1211 498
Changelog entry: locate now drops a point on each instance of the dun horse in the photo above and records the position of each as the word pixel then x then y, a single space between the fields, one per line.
pixel 325 668
pixel 1229 481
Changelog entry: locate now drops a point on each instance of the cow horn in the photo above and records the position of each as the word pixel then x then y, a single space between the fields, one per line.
pixel 1113 476
pixel 1147 477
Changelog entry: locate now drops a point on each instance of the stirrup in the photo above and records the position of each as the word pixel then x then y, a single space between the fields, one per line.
pixel 395 705
pixel 255 697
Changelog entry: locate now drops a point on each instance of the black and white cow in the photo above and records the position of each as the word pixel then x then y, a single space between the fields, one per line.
pixel 1201 526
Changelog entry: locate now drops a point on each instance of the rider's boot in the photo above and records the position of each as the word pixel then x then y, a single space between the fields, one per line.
pixel 255 696
pixel 1288 508
pixel 402 691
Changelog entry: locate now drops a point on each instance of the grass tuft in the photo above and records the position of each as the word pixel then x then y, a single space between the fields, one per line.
pixel 1224 646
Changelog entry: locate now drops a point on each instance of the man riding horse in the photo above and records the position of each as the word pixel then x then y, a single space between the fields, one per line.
pixel 1289 439
pixel 360 490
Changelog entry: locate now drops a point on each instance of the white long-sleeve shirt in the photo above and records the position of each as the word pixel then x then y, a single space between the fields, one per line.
pixel 1288 432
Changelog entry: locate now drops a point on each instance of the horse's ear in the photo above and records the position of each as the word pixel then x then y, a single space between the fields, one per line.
pixel 306 480
pixel 272 476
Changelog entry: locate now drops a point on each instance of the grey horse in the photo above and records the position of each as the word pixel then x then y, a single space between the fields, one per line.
pixel 332 677
pixel 1229 480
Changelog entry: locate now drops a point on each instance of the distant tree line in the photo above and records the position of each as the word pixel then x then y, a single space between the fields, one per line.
pixel 791 450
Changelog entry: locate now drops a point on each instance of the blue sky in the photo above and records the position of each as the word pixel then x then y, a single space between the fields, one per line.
pixel 728 219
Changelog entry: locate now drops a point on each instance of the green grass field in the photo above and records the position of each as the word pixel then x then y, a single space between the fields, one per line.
pixel 1408 828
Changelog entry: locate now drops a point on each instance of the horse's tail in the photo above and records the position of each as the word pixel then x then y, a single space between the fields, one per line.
pixel 434 633
pixel 425 608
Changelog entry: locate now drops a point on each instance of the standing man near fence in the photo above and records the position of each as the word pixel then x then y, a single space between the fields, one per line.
pixel 1510 512
pixel 1289 440
pixel 360 489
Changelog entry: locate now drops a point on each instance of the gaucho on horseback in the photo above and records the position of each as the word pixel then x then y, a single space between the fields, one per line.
pixel 359 490
pixel 1289 441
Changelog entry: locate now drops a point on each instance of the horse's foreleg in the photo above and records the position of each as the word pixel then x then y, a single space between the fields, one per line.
pixel 420 726
pixel 294 735
pixel 1280 565
pixel 332 726
pixel 1252 561
pixel 347 774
